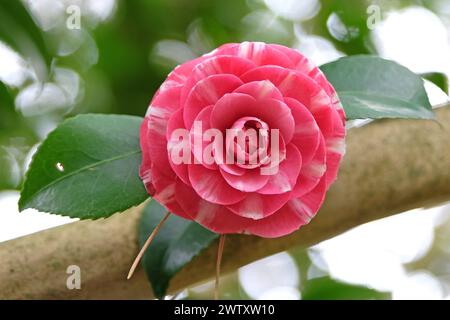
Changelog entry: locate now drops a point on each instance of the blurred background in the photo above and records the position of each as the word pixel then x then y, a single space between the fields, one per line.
pixel 59 58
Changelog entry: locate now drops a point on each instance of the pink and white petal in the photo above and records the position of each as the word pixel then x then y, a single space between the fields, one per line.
pixel 215 65
pixel 181 73
pixel 212 187
pixel 258 206
pixel 165 192
pixel 335 151
pixel 196 136
pixel 167 100
pixel 333 162
pixel 233 106
pixel 286 177
pixel 312 172
pixel 219 219
pixel 260 90
pixel 278 116
pixel 187 198
pixel 146 164
pixel 300 62
pixel 176 122
pixel 303 65
pixel 206 92
pixel 250 181
pixel 163 105
pixel 260 53
pixel 307 133
pixel 232 169
pixel 298 86
pixel 294 214
pixel 214 217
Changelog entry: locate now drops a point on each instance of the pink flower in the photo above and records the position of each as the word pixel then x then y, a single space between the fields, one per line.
pixel 239 86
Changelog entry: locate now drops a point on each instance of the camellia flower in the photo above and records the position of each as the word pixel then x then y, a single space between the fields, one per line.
pixel 249 86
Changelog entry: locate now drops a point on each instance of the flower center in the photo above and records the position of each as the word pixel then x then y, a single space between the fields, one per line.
pixel 248 142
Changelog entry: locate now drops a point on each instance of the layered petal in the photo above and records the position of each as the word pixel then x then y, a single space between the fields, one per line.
pixel 307 134
pixel 312 172
pixel 231 107
pixel 206 93
pixel 212 187
pixel 294 214
pixel 216 218
pixel 286 177
pixel 256 206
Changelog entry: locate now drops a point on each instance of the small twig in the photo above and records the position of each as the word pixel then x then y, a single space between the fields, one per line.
pixel 145 246
pixel 218 262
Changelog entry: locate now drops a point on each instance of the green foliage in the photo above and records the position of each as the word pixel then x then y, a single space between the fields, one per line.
pixel 175 245
pixel 438 79
pixel 87 168
pixel 326 288
pixel 372 87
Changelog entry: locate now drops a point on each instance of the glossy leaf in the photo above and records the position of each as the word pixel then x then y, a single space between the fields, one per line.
pixel 372 87
pixel 87 168
pixel 439 79
pixel 176 244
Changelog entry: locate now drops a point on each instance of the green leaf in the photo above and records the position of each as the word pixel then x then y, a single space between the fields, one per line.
pixel 325 288
pixel 87 168
pixel 439 79
pixel 372 87
pixel 176 244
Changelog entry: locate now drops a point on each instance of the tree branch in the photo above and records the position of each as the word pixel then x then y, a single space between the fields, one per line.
pixel 391 166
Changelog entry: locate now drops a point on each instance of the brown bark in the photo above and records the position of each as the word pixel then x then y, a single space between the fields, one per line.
pixel 391 166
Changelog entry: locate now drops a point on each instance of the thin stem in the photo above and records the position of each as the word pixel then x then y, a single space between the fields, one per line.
pixel 218 262
pixel 145 246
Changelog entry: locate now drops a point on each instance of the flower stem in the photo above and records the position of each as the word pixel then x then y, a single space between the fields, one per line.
pixel 145 246
pixel 218 262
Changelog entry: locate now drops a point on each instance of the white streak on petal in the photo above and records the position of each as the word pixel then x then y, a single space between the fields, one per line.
pixel 167 195
pixel 206 212
pixel 252 208
pixel 315 169
pixel 336 145
pixel 301 209
pixel 320 101
pixel 158 118
pixel 147 177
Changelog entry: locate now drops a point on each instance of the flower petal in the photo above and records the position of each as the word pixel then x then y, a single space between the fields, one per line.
pixel 163 105
pixel 300 87
pixel 166 186
pixel 212 187
pixel 286 177
pixel 214 217
pixel 258 52
pixel 335 148
pixel 215 65
pixel 206 92
pixel 176 122
pixel 234 106
pixel 258 206
pixel 294 214
pixel 197 137
pixel 307 133
pixel 260 90
pixel 250 181
pixel 312 172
